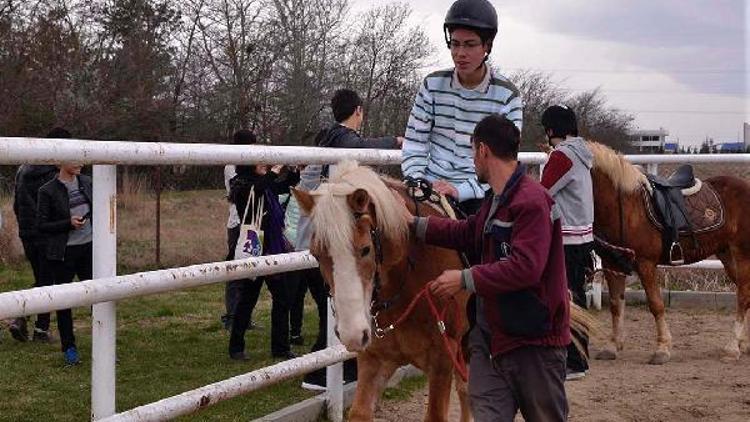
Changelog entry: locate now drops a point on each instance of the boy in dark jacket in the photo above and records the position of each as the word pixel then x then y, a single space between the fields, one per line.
pixel 64 219
pixel 29 178
pixel 347 110
pixel 519 311
pixel 267 183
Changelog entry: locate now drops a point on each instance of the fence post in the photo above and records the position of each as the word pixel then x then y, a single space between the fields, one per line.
pixel 103 318
pixel 334 374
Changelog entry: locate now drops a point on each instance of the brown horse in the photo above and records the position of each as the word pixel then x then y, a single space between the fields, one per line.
pixel 621 219
pixel 363 247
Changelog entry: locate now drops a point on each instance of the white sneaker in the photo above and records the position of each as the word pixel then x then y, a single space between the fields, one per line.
pixel 573 376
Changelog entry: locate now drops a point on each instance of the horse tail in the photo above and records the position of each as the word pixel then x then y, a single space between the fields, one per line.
pixel 583 322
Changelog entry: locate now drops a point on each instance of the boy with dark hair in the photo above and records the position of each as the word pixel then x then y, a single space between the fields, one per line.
pixel 29 178
pixel 348 113
pixel 451 102
pixel 518 311
pixel 567 176
pixel 64 218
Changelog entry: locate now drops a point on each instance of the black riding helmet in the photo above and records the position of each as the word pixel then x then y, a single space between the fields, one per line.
pixel 479 15
pixel 561 120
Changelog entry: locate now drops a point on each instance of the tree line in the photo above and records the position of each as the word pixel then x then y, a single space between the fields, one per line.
pixel 197 70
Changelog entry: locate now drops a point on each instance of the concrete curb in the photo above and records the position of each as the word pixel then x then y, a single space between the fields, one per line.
pixel 681 299
pixel 311 409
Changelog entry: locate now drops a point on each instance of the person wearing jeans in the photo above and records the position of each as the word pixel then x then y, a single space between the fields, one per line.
pixel 64 220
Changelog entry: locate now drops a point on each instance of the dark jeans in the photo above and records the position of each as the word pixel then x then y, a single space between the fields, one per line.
pixel 282 288
pixel 530 379
pixel 577 262
pixel 232 288
pixel 78 262
pixel 34 251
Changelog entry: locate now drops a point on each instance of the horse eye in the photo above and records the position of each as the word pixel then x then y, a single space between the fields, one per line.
pixel 365 251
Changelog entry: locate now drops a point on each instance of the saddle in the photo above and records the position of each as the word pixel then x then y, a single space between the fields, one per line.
pixel 681 205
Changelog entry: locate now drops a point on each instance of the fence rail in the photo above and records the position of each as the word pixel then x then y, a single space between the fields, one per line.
pixel 107 288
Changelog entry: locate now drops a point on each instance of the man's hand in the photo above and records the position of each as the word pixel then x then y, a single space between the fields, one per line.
pixel 446 285
pixel 77 222
pixel 400 141
pixel 445 188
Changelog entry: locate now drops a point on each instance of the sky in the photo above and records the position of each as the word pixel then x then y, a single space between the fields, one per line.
pixel 677 65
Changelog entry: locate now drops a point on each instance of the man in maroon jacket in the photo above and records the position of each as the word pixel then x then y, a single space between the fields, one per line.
pixel 519 310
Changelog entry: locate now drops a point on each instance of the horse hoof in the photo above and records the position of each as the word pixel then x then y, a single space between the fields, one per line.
pixel 659 358
pixel 606 354
pixel 731 355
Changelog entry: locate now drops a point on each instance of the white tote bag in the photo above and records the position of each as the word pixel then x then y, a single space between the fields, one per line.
pixel 250 242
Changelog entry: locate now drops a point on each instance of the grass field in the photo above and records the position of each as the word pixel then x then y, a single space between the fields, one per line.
pixel 166 344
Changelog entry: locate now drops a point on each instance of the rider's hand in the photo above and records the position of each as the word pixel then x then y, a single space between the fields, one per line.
pixel 400 141
pixel 545 148
pixel 445 188
pixel 77 222
pixel 446 285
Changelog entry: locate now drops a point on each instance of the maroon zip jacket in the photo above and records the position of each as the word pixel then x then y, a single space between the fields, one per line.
pixel 521 279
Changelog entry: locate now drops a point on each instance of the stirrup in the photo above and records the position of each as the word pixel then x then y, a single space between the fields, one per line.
pixel 676 246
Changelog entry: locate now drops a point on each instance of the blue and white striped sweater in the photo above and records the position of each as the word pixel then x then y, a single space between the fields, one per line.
pixel 438 135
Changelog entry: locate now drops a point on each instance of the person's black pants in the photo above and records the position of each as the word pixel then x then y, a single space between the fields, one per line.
pixel 78 262
pixel 34 251
pixel 282 288
pixel 577 263
pixel 232 288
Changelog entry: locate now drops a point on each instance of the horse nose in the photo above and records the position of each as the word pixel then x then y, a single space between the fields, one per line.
pixel 365 338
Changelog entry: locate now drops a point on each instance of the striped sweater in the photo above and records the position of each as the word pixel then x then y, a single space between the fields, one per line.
pixel 442 120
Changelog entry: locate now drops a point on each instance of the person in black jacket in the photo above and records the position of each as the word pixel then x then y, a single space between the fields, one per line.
pixel 29 178
pixel 348 112
pixel 64 220
pixel 267 183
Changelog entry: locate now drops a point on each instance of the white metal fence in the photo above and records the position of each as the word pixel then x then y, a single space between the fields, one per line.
pixel 106 288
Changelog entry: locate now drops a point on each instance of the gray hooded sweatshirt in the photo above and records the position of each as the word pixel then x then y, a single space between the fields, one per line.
pixel 567 176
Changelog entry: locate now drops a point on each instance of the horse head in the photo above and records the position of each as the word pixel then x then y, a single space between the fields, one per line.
pixel 358 232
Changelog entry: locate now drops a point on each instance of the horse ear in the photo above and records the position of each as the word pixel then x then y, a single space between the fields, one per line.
pixel 359 200
pixel 304 200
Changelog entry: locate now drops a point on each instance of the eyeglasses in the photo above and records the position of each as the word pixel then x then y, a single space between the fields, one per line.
pixel 469 45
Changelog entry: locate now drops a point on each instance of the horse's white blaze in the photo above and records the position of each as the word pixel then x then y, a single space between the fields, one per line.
pixel 352 310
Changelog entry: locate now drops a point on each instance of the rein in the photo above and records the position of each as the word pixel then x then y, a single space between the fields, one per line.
pixel 457 358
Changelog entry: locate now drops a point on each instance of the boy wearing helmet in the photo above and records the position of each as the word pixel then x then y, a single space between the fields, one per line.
pixel 567 176
pixel 451 102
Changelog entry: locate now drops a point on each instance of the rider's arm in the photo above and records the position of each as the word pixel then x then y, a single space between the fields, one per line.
pixel 557 174
pixel 416 148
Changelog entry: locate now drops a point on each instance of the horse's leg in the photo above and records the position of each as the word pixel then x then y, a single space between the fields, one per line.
pixel 440 378
pixel 738 269
pixel 462 390
pixel 372 377
pixel 616 285
pixel 647 272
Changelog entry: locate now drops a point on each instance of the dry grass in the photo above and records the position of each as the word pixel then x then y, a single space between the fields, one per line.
pixel 11 250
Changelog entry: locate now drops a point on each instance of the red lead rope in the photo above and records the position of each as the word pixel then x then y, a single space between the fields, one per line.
pixel 459 363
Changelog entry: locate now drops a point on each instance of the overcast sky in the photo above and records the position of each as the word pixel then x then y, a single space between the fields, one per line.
pixel 680 65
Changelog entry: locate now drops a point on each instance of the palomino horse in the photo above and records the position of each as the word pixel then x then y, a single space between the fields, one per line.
pixel 621 219
pixel 370 262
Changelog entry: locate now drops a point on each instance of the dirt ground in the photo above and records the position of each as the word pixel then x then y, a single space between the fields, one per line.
pixel 694 386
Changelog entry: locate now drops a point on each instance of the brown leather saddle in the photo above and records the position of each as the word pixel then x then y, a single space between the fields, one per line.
pixel 682 206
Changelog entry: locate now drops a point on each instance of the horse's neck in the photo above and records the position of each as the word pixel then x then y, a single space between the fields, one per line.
pixel 614 209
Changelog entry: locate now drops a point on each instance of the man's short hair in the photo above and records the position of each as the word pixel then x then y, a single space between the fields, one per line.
pixel 59 133
pixel 344 103
pixel 244 137
pixel 500 135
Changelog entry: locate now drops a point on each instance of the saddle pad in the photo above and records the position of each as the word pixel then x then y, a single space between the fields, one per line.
pixel 704 208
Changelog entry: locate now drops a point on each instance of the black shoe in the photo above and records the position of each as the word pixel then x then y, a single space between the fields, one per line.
pixel 41 336
pixel 239 356
pixel 285 355
pixel 297 340
pixel 19 330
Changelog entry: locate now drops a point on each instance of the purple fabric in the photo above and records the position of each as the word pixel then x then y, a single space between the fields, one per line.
pixel 276 243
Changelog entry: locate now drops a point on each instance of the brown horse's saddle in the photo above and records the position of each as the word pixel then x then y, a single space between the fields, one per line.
pixel 682 205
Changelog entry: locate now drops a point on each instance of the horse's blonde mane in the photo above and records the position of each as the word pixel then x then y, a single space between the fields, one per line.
pixel 622 173
pixel 333 219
